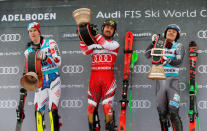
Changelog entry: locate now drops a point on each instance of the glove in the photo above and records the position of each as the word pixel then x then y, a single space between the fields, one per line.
pixel 154 36
pixel 166 60
pixel 169 45
pixel 97 46
pixel 93 29
pixel 42 55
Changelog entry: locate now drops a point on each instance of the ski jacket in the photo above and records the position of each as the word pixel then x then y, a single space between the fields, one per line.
pixel 53 61
pixel 176 53
pixel 103 53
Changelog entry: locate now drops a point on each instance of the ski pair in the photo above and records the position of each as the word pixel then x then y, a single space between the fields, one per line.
pixel 130 58
pixel 193 87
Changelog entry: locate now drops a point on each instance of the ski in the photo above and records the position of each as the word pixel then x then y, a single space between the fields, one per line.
pixel 20 109
pixel 133 61
pixel 193 87
pixel 127 61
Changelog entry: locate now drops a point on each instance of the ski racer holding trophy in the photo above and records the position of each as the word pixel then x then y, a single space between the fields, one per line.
pixel 50 90
pixel 103 50
pixel 167 90
pixel 102 81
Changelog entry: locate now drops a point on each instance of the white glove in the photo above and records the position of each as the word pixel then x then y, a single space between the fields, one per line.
pixel 97 46
pixel 41 55
pixel 166 60
pixel 154 37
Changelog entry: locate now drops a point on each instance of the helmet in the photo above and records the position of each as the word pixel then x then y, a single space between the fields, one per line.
pixel 111 23
pixel 175 27
pixel 33 25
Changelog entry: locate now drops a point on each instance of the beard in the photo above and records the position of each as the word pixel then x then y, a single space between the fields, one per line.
pixel 108 36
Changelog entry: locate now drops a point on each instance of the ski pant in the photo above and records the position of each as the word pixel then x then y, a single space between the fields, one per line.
pixel 168 102
pixel 102 85
pixel 50 92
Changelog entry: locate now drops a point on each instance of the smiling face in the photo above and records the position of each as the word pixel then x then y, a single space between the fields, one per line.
pixel 171 35
pixel 34 35
pixel 108 31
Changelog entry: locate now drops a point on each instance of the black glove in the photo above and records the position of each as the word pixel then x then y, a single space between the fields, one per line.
pixel 93 29
pixel 169 45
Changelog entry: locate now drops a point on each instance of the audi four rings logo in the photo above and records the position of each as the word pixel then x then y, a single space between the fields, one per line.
pixel 71 103
pixel 142 68
pixel 182 86
pixel 202 34
pixel 141 104
pixel 5 104
pixel 101 58
pixel 72 69
pixel 202 68
pixel 202 104
pixel 9 70
pixel 10 37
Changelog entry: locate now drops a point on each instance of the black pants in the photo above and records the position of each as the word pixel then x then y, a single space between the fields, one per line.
pixel 168 100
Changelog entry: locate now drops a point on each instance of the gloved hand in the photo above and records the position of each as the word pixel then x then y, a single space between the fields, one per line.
pixel 42 55
pixel 96 46
pixel 169 45
pixel 154 37
pixel 93 29
pixel 167 60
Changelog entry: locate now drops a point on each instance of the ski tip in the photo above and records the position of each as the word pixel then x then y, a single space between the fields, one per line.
pixel 192 43
pixel 129 37
pixel 129 33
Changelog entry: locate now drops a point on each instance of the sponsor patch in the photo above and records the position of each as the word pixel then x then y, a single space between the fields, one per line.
pixel 176 97
pixel 173 103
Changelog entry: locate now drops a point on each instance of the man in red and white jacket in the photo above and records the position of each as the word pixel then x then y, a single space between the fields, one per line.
pixel 102 82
